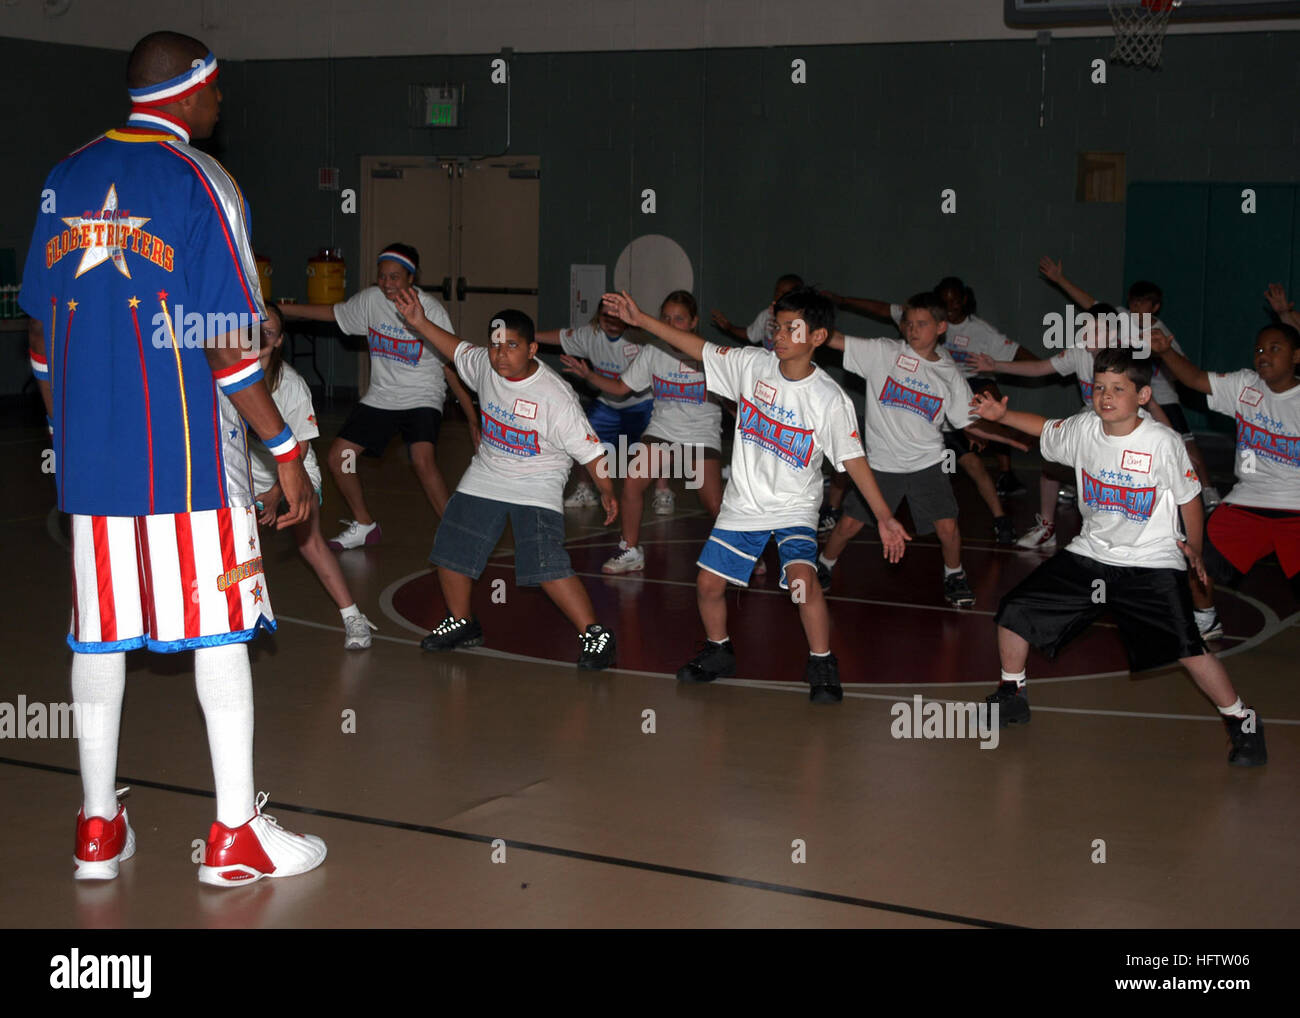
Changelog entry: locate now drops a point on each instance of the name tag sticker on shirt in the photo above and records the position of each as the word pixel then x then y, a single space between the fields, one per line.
pixel 765 393
pixel 630 350
pixel 961 341
pixel 1138 462
pixel 1250 396
pixel 908 363
pixel 523 408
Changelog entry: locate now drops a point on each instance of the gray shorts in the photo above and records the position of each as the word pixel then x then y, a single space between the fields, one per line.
pixel 928 493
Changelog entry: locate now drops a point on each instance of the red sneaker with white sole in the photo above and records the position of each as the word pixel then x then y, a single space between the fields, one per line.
pixel 257 849
pixel 101 845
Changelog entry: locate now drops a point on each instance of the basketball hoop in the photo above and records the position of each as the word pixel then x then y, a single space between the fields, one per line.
pixel 1140 30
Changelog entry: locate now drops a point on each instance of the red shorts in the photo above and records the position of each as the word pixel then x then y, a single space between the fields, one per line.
pixel 167 582
pixel 1243 536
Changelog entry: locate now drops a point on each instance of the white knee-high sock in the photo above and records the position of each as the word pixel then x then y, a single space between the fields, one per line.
pixel 224 683
pixel 98 682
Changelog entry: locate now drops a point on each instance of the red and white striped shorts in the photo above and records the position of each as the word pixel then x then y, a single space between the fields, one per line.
pixel 168 582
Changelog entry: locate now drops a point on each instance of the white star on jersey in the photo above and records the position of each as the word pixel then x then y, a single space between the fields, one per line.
pixel 107 250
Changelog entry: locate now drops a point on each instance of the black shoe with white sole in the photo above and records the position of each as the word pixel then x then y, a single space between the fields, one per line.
pixel 1013 704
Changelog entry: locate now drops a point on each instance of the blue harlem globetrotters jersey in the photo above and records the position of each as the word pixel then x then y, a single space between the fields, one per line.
pixel 141 256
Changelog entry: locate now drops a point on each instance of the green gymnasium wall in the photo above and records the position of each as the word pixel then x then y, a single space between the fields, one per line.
pixel 838 179
pixel 1213 260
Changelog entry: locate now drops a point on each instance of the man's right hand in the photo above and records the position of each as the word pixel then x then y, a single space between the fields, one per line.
pixel 298 492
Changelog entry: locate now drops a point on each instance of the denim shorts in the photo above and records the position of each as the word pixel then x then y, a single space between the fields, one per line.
pixel 472 526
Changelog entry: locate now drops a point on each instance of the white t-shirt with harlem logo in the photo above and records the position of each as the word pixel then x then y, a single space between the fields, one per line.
pixel 1130 488
pixel 1268 439
pixel 683 412
pixel 533 430
pixel 760 329
pixel 609 358
pixel 970 338
pixel 293 399
pixel 908 400
pixel 783 431
pixel 405 372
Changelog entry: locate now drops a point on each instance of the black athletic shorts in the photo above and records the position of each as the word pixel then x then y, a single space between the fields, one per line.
pixel 928 493
pixel 372 428
pixel 1061 598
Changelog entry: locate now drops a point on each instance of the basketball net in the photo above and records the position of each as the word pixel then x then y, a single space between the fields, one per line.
pixel 1140 30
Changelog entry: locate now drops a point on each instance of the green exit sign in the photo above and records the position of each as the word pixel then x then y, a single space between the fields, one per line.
pixel 436 105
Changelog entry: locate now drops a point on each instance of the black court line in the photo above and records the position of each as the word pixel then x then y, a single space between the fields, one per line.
pixel 567 853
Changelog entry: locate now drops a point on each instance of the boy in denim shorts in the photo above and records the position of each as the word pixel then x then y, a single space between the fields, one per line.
pixel 533 429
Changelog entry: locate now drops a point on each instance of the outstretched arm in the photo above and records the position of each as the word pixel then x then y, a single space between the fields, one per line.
pixel 609 386
pixel 548 337
pixel 1024 368
pixel 862 305
pixel 991 432
pixel 412 313
pixel 1052 271
pixel 995 410
pixel 624 307
pixel 892 534
pixel 311 312
pixel 1179 366
pixel 729 327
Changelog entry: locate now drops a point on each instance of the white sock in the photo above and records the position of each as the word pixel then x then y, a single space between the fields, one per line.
pixel 1235 711
pixel 952 572
pixel 813 653
pixel 224 683
pixel 98 682
pixel 1204 615
pixel 1017 677
pixel 350 612
pixel 829 563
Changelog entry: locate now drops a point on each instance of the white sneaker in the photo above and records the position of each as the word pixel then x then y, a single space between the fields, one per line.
pixel 358 632
pixel 629 560
pixel 663 502
pixel 1210 495
pixel 584 495
pixel 1041 537
pixel 257 849
pixel 355 535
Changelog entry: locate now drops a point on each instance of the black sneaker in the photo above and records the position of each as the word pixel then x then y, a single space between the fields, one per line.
pixel 452 633
pixel 1248 748
pixel 823 676
pixel 1013 704
pixel 1003 531
pixel 1009 485
pixel 598 647
pixel 714 661
pixel 824 577
pixel 957 591
pixel 827 519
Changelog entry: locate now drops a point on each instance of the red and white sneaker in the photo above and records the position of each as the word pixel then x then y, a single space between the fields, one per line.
pixel 1041 537
pixel 101 845
pixel 257 849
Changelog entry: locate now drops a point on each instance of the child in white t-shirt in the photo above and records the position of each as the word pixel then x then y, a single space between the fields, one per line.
pixel 604 343
pixel 293 400
pixel 408 387
pixel 1262 512
pixel 685 428
pixel 533 431
pixel 913 388
pixel 760 329
pixel 790 415
pixel 1139 496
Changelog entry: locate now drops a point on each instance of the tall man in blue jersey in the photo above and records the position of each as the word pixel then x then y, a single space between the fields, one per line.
pixel 142 290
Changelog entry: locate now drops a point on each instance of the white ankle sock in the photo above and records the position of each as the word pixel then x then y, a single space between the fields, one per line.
pixel 1204 614
pixel 1235 711
pixel 224 683
pixel 829 563
pixel 952 572
pixel 1017 677
pixel 98 682
pixel 350 612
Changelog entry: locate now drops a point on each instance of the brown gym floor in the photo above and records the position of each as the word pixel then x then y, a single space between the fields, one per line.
pixel 693 825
